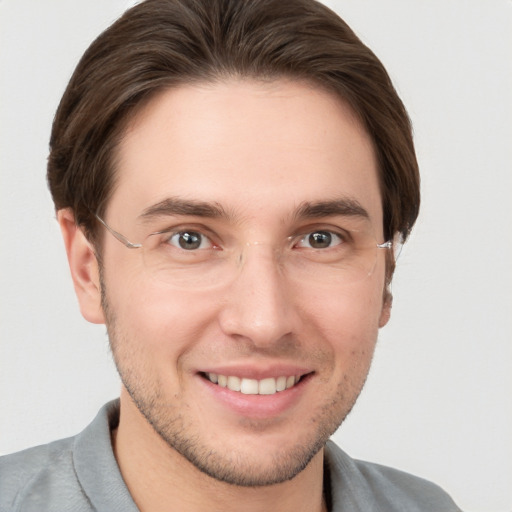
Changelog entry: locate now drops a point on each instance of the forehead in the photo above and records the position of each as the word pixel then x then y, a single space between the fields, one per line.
pixel 258 149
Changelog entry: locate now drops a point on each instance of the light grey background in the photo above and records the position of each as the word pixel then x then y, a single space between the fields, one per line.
pixel 438 400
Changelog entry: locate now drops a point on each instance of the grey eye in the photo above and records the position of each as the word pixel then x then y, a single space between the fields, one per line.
pixel 319 240
pixel 190 240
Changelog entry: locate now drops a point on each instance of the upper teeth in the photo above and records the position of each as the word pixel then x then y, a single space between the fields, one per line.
pixel 253 386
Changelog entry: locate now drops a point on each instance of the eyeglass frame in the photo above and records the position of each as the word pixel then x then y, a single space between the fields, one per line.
pixel 388 244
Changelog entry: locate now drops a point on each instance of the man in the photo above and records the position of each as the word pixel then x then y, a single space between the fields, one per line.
pixel 232 179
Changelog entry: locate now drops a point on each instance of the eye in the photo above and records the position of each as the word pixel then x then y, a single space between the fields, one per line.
pixel 190 240
pixel 319 240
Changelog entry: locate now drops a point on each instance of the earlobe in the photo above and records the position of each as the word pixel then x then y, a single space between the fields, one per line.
pixel 84 268
pixel 385 313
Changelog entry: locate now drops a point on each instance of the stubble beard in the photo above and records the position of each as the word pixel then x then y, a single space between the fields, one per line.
pixel 226 465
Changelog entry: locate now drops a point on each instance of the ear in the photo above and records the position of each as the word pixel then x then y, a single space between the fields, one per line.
pixel 385 313
pixel 84 267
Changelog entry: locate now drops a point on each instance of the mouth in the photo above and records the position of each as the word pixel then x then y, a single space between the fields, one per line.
pixel 246 386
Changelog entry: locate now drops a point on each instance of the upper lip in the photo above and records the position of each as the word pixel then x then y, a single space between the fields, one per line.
pixel 258 372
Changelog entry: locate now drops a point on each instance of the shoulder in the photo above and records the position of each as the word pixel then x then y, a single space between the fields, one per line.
pixel 31 474
pixel 372 486
pixel 78 474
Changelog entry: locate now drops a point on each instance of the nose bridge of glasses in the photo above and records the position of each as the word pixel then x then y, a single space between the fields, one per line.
pixel 262 251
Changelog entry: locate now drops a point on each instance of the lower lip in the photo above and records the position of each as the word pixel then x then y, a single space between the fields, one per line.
pixel 257 406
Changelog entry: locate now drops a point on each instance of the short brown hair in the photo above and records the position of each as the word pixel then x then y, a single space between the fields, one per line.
pixel 162 43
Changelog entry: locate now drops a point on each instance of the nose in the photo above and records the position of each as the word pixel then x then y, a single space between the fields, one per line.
pixel 258 304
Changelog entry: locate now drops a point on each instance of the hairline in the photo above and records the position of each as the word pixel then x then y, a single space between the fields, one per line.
pixel 133 115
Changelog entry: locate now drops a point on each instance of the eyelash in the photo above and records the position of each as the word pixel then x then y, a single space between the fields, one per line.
pixel 190 232
pixel 341 235
pixel 331 233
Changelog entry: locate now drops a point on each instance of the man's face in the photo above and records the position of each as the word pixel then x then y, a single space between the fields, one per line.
pixel 256 154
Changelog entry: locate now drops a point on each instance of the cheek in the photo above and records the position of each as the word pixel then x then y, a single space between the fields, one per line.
pixel 153 335
pixel 346 323
pixel 153 320
pixel 351 313
pixel 168 317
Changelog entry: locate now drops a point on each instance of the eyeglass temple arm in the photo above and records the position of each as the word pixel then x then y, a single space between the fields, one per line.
pixel 131 245
pixel 119 236
pixel 395 244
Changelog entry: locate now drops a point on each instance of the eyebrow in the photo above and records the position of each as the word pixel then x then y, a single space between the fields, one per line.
pixel 306 210
pixel 343 206
pixel 178 206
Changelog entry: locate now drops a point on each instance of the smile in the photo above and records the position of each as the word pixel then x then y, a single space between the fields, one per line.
pixel 268 386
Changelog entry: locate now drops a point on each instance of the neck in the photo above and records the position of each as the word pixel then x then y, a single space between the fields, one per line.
pixel 159 478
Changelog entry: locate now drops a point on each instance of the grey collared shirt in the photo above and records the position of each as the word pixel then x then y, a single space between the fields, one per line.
pixel 80 474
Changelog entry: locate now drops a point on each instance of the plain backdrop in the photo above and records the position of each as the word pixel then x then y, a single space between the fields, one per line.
pixel 438 399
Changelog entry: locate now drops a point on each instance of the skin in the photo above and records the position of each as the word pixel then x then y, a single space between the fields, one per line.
pixel 259 150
